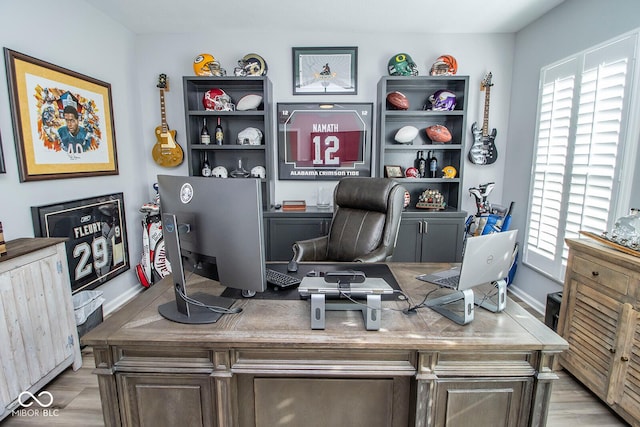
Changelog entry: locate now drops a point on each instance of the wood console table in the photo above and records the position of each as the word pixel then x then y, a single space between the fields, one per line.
pixel 266 367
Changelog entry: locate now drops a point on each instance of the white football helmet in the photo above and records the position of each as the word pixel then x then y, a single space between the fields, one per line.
pixel 250 136
pixel 258 172
pixel 220 172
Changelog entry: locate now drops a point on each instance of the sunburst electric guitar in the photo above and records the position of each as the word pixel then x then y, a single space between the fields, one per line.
pixel 166 152
pixel 484 151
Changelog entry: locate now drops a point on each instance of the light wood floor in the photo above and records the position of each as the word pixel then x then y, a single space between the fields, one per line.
pixel 77 399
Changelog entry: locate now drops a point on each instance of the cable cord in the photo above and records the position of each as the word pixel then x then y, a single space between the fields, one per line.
pixel 214 308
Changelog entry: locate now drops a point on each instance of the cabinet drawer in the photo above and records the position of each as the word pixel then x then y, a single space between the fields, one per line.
pixel 601 273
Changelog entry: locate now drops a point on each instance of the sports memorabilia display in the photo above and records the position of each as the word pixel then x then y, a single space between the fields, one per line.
pixel 397 100
pixel 441 100
pixel 95 229
pixel 445 65
pixel 251 64
pixel 406 134
pixel 217 100
pixel 401 64
pixel 166 152
pixel 483 150
pixel 449 172
pixel 431 199
pixel 206 65
pixel 324 141
pixel 438 134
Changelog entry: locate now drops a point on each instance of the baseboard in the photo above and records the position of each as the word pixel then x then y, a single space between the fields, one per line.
pixel 528 299
pixel 123 298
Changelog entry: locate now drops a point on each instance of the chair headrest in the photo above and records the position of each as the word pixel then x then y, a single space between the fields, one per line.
pixel 364 193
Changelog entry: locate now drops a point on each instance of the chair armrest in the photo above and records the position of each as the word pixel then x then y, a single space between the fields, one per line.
pixel 311 250
pixel 378 255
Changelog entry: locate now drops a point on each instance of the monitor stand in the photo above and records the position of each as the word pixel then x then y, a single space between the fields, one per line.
pixel 371 311
pixel 440 305
pixel 180 310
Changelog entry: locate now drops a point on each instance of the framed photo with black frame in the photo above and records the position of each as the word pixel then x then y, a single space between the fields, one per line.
pixel 97 238
pixel 324 141
pixel 2 168
pixel 62 120
pixel 325 70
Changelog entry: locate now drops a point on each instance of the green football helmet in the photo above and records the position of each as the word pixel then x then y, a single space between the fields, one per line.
pixel 402 65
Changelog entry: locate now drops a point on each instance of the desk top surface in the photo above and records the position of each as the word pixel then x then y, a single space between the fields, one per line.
pixel 286 323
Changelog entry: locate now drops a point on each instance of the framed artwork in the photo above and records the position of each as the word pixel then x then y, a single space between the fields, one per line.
pixel 325 70
pixel 62 121
pixel 324 141
pixel 2 168
pixel 97 238
pixel 392 171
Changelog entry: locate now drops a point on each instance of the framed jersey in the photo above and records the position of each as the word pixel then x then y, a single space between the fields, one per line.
pixel 324 141
pixel 96 232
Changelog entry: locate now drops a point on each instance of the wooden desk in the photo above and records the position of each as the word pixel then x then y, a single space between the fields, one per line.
pixel 266 367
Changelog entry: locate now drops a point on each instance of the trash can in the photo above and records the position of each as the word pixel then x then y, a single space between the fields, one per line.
pixel 552 311
pixel 87 307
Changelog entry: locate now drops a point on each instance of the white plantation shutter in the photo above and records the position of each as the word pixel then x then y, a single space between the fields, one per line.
pixel 582 114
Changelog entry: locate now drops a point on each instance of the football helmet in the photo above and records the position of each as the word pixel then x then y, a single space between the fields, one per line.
pixel 220 172
pixel 445 65
pixel 250 136
pixel 402 65
pixel 251 65
pixel 411 172
pixel 258 172
pixel 217 100
pixel 206 65
pixel 441 100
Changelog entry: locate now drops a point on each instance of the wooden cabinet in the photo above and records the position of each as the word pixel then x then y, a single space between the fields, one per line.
pixel 430 237
pixel 38 335
pixel 231 152
pixel 417 90
pixel 285 228
pixel 599 317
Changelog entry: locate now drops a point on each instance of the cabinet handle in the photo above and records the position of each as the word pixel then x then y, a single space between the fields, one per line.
pixel 624 358
pixel 612 350
pixel 420 227
pixel 426 227
pixel 595 273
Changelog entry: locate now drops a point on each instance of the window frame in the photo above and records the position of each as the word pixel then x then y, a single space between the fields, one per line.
pixel 626 158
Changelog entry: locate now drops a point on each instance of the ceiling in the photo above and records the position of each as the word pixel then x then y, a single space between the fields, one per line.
pixel 244 16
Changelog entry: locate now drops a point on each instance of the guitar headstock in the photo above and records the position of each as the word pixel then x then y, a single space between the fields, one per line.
pixel 163 82
pixel 487 81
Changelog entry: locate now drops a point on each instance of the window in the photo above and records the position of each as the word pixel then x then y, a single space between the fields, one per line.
pixel 583 109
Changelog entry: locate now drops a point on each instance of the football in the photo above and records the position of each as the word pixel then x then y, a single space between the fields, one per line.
pixel 406 134
pixel 249 102
pixel 438 134
pixel 397 100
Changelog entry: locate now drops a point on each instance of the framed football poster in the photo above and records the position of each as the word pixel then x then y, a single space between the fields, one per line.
pixel 97 240
pixel 324 141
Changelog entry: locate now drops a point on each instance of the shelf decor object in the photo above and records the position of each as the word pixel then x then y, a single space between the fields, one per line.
pixel 62 120
pixel 325 70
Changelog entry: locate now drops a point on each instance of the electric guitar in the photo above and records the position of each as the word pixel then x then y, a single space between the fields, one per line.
pixel 166 152
pixel 484 151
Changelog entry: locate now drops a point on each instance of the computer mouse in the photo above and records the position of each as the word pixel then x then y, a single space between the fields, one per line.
pixel 292 267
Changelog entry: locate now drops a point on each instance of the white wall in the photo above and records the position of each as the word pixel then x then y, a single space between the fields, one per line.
pixel 70 34
pixel 569 28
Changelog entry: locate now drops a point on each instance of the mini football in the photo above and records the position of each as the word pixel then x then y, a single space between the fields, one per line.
pixel 397 100
pixel 249 102
pixel 406 134
pixel 438 134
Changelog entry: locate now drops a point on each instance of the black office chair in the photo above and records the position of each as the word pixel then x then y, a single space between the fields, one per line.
pixel 365 223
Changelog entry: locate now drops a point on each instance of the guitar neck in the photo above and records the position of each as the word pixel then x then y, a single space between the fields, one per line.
pixel 485 121
pixel 165 127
